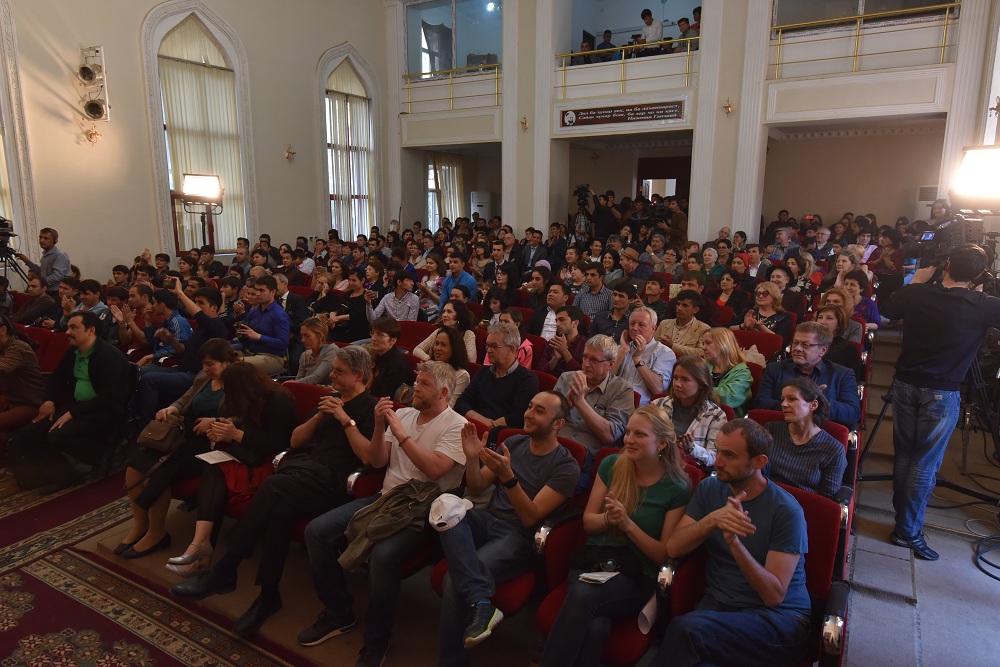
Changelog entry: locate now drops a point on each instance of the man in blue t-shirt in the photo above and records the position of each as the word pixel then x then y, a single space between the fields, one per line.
pixel 756 607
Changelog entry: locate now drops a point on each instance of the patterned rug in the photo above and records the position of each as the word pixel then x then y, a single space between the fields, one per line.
pixel 62 606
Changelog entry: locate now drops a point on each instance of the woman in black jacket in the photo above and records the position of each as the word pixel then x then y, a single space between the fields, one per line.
pixel 255 423
pixel 389 367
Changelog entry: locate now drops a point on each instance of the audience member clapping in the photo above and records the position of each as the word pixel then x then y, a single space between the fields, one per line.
pixel 692 407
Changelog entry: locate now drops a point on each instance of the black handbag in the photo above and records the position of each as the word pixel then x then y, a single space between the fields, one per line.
pixel 607 558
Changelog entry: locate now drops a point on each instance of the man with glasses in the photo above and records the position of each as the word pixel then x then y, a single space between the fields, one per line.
pixel 499 395
pixel 600 403
pixel 810 342
pixel 309 481
pixel 645 364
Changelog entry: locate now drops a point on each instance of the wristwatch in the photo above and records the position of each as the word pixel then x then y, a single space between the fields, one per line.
pixel 640 364
pixel 349 424
pixel 510 483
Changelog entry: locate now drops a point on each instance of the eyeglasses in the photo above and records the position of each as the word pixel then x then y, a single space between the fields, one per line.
pixel 798 343
pixel 594 360
pixel 762 293
pixel 495 346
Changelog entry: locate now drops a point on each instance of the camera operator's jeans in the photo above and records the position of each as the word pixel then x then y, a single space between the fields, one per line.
pixel 922 423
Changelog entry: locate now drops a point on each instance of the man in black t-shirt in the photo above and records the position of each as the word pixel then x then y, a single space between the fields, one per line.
pixel 943 328
pixel 307 482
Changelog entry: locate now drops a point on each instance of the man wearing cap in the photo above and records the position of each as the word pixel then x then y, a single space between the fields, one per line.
pixel 421 443
pixel 401 304
pixel 534 476
pixel 632 269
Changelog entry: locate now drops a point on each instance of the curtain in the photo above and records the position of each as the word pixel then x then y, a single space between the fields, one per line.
pixel 199 109
pixel 351 163
pixel 448 178
pixel 438 39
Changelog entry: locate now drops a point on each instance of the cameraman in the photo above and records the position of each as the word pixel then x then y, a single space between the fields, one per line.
pixel 943 328
pixel 603 218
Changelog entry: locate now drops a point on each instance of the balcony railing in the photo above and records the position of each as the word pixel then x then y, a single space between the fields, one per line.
pixel 451 89
pixel 622 67
pixel 867 42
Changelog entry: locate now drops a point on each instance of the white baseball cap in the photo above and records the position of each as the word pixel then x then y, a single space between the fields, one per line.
pixel 447 510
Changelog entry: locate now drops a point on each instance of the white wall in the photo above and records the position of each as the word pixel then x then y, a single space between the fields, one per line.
pixel 101 199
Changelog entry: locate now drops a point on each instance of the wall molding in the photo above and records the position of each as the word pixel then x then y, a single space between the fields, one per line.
pixel 15 139
pixel 508 117
pixel 158 22
pixel 495 115
pixel 777 134
pixel 940 75
pixel 707 112
pixel 329 61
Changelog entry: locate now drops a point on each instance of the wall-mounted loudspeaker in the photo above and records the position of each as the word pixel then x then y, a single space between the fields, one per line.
pixel 93 77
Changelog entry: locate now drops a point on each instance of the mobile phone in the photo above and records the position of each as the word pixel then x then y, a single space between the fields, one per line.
pixel 170 282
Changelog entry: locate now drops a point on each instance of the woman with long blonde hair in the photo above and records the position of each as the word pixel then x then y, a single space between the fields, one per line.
pixel 638 498
pixel 731 376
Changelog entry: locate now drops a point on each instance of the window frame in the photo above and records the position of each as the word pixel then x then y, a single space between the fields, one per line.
pixel 158 22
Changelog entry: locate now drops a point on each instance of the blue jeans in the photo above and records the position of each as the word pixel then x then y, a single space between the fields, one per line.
pixel 584 622
pixel 715 634
pixel 481 550
pixel 323 537
pixel 160 386
pixel 922 423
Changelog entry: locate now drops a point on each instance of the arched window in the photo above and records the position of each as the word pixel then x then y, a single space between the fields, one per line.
pixel 198 97
pixel 350 143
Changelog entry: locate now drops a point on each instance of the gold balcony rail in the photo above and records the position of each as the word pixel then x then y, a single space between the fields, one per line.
pixel 625 53
pixel 444 77
pixel 944 20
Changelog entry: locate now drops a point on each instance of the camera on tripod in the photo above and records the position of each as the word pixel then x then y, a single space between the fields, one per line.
pixel 6 231
pixel 635 39
pixel 582 194
pixel 932 244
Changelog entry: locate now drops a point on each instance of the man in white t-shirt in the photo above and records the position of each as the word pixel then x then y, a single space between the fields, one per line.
pixel 652 32
pixel 423 443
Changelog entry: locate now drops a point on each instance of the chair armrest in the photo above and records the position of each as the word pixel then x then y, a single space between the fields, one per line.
pixel 277 459
pixel 558 518
pixel 844 497
pixel 665 577
pixel 861 390
pixel 835 618
pixel 352 479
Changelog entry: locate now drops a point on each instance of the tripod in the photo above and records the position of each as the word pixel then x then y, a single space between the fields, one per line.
pixel 976 403
pixel 10 260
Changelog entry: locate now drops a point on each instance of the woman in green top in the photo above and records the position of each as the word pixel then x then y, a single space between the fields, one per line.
pixel 638 498
pixel 730 375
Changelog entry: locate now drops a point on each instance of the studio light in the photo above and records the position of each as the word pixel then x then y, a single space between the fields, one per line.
pixel 91 73
pixel 976 188
pixel 95 109
pixel 202 189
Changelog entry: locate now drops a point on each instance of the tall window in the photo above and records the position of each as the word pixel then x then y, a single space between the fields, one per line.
pixel 447 34
pixel 801 11
pixel 350 143
pixel 445 187
pixel 198 93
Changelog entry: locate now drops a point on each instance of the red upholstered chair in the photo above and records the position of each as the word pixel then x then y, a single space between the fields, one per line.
pixel 476 309
pixel 537 346
pixel 756 372
pixel 54 351
pixel 480 335
pixel 726 314
pixel 420 274
pixel 636 398
pixel 412 361
pixel 829 596
pixel 546 382
pixel 626 644
pixel 730 415
pixel 526 314
pixel 473 369
pixel 521 300
pixel 768 344
pixel 306 397
pixel 302 290
pixel 557 545
pixel 845 497
pixel 20 298
pixel 412 334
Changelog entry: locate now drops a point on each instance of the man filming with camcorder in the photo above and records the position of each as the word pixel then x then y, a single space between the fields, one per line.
pixel 944 324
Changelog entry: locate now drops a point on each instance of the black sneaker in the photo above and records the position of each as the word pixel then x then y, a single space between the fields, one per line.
pixel 918 545
pixel 369 657
pixel 483 617
pixel 326 626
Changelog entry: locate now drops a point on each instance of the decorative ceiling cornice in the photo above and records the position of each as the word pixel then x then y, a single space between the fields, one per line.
pixel 780 135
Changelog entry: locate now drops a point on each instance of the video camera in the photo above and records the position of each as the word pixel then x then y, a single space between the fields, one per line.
pixel 635 39
pixel 582 194
pixel 931 245
pixel 6 231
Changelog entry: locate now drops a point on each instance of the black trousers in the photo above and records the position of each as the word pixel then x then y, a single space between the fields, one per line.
pixel 292 491
pixel 80 438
